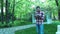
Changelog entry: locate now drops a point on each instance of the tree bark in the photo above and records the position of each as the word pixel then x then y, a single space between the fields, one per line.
pixel 2 11
pixel 13 11
pixel 58 9
pixel 7 9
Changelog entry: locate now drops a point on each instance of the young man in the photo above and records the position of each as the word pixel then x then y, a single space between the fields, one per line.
pixel 39 16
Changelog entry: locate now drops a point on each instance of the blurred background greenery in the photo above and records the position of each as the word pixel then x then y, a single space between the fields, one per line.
pixel 19 12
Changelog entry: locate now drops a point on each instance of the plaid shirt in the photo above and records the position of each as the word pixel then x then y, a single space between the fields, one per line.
pixel 39 16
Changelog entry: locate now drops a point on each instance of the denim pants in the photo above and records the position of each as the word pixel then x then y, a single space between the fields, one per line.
pixel 40 28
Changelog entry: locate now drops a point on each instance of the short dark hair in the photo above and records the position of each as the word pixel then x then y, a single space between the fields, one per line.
pixel 37 7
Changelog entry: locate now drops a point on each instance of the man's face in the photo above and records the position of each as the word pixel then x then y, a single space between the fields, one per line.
pixel 38 9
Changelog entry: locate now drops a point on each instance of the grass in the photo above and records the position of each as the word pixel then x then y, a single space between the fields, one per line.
pixel 20 23
pixel 48 29
pixel 27 31
pixel 56 22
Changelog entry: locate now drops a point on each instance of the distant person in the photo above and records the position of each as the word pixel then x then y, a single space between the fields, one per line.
pixel 39 16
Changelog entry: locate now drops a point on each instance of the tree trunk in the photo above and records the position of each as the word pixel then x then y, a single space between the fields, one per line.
pixel 13 11
pixel 7 16
pixel 58 9
pixel 2 11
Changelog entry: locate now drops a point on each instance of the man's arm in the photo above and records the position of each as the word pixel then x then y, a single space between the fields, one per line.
pixel 43 15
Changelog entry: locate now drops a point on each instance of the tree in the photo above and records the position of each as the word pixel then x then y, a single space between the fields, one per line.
pixel 58 9
pixel 2 11
pixel 7 11
pixel 13 11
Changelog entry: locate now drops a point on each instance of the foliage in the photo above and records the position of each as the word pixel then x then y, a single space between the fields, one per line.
pixel 25 8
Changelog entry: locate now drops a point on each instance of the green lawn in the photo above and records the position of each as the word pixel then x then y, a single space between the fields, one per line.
pixel 48 29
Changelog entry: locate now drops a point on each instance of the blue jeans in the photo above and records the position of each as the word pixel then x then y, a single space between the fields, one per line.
pixel 40 28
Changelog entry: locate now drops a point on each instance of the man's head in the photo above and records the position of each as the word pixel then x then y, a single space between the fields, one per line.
pixel 38 8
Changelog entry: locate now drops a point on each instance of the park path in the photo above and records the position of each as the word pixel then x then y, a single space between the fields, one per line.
pixel 13 29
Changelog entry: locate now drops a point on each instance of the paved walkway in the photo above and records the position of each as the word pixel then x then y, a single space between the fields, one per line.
pixel 13 29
